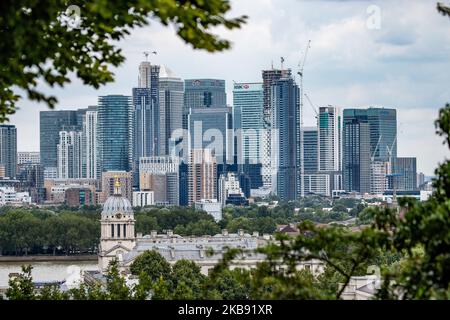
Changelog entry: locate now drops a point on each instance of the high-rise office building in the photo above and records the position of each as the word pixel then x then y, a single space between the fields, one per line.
pixel 203 93
pixel 406 168
pixel 248 121
pixel 171 100
pixel 50 123
pixel 211 128
pixel 90 145
pixel 310 150
pixel 248 125
pixel 330 144
pixel 8 149
pixel 285 137
pixel 31 177
pixel 420 179
pixel 160 174
pixel 356 151
pixel 202 176
pixel 146 115
pixel 383 133
pixel 115 133
pixel 70 152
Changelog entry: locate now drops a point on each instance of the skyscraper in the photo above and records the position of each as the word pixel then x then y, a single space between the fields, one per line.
pixel 50 123
pixel 310 150
pixel 146 115
pixel 203 93
pixel 269 77
pixel 202 176
pixel 285 137
pixel 171 100
pixel 115 133
pixel 356 153
pixel 406 167
pixel 8 149
pixel 90 145
pixel 69 149
pixel 248 121
pixel 383 133
pixel 212 128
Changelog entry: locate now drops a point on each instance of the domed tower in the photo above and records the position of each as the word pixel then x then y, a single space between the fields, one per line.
pixel 117 228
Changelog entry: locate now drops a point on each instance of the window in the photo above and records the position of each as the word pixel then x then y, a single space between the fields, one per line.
pixel 118 230
pixel 112 231
pixel 124 230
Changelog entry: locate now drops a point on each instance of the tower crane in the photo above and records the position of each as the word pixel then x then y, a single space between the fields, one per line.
pixel 301 66
pixel 312 105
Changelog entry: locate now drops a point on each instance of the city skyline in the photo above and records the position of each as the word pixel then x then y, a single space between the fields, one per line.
pixel 364 68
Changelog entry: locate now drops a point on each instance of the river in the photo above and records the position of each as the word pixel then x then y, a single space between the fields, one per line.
pixel 46 271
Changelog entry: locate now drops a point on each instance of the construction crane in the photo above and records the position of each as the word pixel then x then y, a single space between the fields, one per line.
pixel 312 105
pixel 301 66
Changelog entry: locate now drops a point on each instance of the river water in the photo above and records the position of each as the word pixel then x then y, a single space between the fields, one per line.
pixel 46 271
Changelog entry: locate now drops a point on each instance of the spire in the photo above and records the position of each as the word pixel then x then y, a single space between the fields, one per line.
pixel 117 190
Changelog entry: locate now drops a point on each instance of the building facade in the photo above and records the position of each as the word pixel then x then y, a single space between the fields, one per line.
pixel 115 133
pixel 202 176
pixel 285 138
pixel 171 100
pixel 406 168
pixel 8 149
pixel 356 155
pixel 70 153
pixel 28 157
pixel 50 123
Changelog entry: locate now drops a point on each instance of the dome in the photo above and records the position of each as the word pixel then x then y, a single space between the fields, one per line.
pixel 117 204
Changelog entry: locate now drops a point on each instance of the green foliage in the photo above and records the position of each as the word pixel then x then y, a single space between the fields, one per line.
pixel 41 45
pixel 152 264
pixel 24 231
pixel 21 287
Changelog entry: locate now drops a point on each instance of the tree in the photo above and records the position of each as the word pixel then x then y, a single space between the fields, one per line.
pixel 187 280
pixel 115 283
pixel 45 41
pixel 21 287
pixel 153 264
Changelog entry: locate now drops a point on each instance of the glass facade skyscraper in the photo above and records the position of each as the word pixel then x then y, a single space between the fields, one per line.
pixel 115 132
pixel 383 133
pixel 203 93
pixel 248 117
pixel 171 100
pixel 8 149
pixel 50 123
pixel 285 137
pixel 211 128
pixel 310 149
pixel 356 151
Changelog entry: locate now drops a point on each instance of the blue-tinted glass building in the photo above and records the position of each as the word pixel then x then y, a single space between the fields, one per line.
pixel 203 93
pixel 310 150
pixel 211 128
pixel 115 132
pixel 50 123
pixel 8 149
pixel 383 133
pixel 406 168
pixel 356 151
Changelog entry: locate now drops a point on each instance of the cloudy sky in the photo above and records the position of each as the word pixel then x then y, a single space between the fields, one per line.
pixel 393 53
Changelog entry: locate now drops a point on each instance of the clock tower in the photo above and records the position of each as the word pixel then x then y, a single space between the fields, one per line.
pixel 117 228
